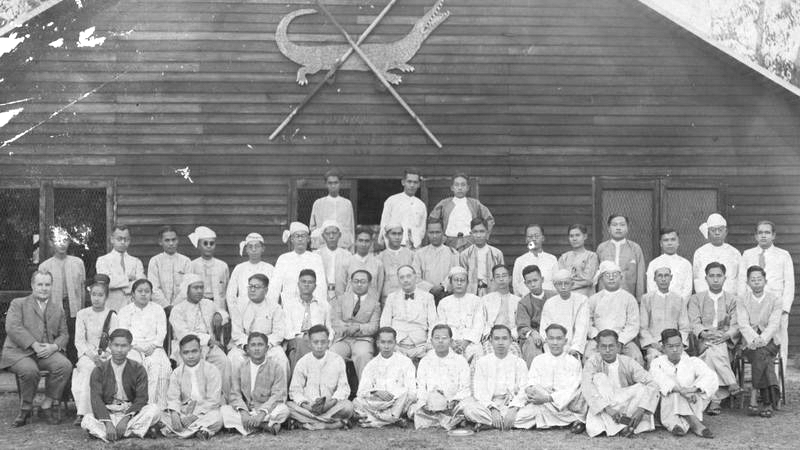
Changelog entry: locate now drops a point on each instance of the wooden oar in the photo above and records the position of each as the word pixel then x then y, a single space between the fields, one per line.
pixel 331 71
pixel 379 74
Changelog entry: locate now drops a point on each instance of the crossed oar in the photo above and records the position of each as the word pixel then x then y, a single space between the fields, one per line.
pixel 354 46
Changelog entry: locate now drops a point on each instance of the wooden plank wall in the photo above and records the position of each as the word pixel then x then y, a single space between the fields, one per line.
pixel 534 96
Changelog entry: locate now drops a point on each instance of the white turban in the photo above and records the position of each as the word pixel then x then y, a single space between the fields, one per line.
pixel 317 234
pixel 252 237
pixel 456 270
pixel 294 227
pixel 606 266
pixel 562 274
pixel 202 233
pixel 714 220
pixel 391 226
pixel 183 291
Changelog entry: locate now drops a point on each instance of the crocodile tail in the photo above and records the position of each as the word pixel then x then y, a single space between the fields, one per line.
pixel 286 46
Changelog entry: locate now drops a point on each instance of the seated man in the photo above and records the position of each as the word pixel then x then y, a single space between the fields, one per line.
pixel 529 313
pixel 411 313
pixel 616 309
pixel 442 384
pixel 319 388
pixel 500 308
pixel 551 397
pixel 712 315
pixel 393 257
pixel 363 259
pixel 355 316
pixel 569 309
pixel 119 395
pixel 335 259
pixel 621 395
pixel 194 315
pixel 303 312
pixel 499 376
pixel 686 384
pixel 258 393
pixel 434 261
pixel 388 385
pixel 32 345
pixel 479 258
pixel 194 394
pixel 659 311
pixel 464 313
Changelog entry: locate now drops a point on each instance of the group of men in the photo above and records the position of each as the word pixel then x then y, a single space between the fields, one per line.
pixel 460 338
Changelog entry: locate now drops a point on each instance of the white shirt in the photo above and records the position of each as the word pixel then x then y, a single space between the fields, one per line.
pixel 689 372
pixel 496 378
pixel 450 375
pixel 780 273
pixel 148 325
pixel 295 310
pixel 715 298
pixel 395 375
pixel 572 314
pixel 287 273
pixel 464 315
pixel 254 373
pixel 460 218
pixel 547 263
pixel 237 286
pixel 196 395
pixel 681 270
pixel 613 374
pixel 617 249
pixel 560 375
pixel 725 254
pixel 492 313
pixel 408 211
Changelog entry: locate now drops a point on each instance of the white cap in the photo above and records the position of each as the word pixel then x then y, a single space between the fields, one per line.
pixel 294 227
pixel 252 237
pixel 714 220
pixel 202 233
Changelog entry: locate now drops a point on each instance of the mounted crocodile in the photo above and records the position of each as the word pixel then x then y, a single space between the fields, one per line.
pixel 385 56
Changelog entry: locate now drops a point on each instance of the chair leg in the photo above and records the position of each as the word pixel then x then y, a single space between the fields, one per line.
pixel 783 386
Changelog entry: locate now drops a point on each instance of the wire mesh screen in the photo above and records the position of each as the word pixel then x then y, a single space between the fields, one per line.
pixel 305 200
pixel 19 237
pixel 82 213
pixel 685 210
pixel 637 205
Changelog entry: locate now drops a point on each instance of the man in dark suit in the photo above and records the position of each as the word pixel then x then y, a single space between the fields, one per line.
pixel 37 337
pixel 355 317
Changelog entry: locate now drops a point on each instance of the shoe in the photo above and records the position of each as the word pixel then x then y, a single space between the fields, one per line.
pixel 627 432
pixel 274 429
pixel 22 418
pixel 77 421
pixel 203 435
pixel 707 434
pixel 153 432
pixel 577 428
pixel 52 415
pixel 678 431
pixel 402 423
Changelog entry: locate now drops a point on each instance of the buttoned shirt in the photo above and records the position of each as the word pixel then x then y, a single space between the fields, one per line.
pixel 334 262
pixel 283 283
pixel 300 316
pixel 500 309
pixel 460 218
pixel 215 279
pixel 498 380
pixel 118 369
pixel 616 311
pixel 658 312
pixel 111 264
pixel 433 264
pixel 69 276
pixel 679 267
pixel 254 373
pixel 319 377
pixel 687 373
pixel 408 211
pixel 193 318
pixel 265 317
pixel 759 317
pixel 371 263
pixel 559 375
pixel 240 277
pixel 195 389
pixel 572 314
pixel 464 315
pixel 780 273
pixel 583 266
pixel 547 263
pixel 395 375
pixel 392 260
pixel 148 325
pixel 166 272
pixel 448 374
pixel 412 318
pixel 725 254
pixel 339 209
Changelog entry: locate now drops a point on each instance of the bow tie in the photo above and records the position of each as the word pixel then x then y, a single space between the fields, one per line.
pixel 409 296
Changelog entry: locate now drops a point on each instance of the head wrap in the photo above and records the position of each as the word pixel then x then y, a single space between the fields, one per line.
pixel 391 226
pixel 714 220
pixel 183 291
pixel 317 233
pixel 202 233
pixel 252 237
pixel 455 270
pixel 562 274
pixel 294 227
pixel 606 266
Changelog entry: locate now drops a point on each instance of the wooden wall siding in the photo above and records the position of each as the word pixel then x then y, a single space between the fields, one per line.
pixel 536 96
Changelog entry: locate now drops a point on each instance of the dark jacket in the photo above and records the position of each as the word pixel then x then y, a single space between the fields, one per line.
pixel 26 324
pixel 103 386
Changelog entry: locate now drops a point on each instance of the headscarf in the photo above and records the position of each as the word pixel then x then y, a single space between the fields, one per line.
pixel 201 233
pixel 317 234
pixel 606 266
pixel 294 227
pixel 183 291
pixel 252 237
pixel 714 220
pixel 391 226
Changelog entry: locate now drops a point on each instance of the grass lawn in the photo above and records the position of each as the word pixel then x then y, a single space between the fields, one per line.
pixel 733 430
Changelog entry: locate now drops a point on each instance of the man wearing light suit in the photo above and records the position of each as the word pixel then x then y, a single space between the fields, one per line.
pixel 355 316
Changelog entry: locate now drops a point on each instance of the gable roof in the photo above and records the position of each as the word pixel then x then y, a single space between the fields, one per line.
pixel 775 79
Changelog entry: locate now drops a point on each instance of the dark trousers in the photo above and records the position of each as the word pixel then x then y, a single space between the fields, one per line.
pixel 72 352
pixel 761 365
pixel 27 371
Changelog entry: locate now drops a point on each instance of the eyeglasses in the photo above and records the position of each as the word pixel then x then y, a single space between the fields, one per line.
pixel 611 275
pixel 562 283
pixel 673 346
pixel 254 287
pixel 359 281
pixel 208 243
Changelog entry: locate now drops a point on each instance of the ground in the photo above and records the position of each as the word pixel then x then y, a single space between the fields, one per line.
pixel 734 430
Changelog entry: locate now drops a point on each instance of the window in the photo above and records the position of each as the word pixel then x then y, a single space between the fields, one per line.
pixel 655 203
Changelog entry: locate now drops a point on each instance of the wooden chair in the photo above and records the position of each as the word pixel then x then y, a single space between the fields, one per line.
pixel 740 365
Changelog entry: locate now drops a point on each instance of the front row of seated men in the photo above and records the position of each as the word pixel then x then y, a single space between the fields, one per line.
pixel 612 394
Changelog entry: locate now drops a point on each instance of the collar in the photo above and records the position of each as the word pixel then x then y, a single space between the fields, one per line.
pixel 313 300
pixel 714 296
pixel 662 294
pixel 620 242
pixel 460 201
pixel 256 366
pixel 118 366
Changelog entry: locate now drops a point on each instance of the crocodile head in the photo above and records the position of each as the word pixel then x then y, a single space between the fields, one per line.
pixel 431 20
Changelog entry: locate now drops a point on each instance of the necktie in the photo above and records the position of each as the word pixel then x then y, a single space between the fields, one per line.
pixel 761 260
pixel 306 317
pixel 410 296
pixel 122 262
pixel 357 306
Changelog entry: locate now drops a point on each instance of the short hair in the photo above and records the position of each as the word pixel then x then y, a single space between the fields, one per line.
pixel 140 282
pixel 434 221
pixel 459 175
pixel 715 265
pixel 670 332
pixel 442 326
pixel 361 229
pixel 188 338
pixel 166 229
pixel 120 227
pixel 555 326
pixel 334 172
pixel 478 221
pixel 121 332
pixel 531 225
pixel 409 266
pixel 369 275
pixel 42 272
pixel 530 269
pixel 499 326
pixel 318 328
pixel 257 334
pixel 752 269
pixel 307 272
pixel 390 330
pixel 260 277
pixel 578 226
pixel 766 222
pixel 667 230
pixel 499 266
pixel 607 333
pixel 613 216
pixel 411 171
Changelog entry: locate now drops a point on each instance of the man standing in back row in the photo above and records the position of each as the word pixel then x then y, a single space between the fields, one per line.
pixel 407 210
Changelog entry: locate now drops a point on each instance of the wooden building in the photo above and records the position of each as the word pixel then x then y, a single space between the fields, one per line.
pixel 564 110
